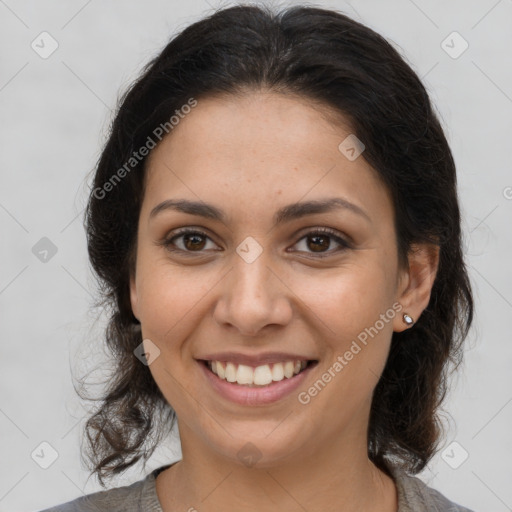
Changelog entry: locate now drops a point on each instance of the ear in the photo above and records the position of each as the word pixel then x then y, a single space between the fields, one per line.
pixel 415 283
pixel 134 297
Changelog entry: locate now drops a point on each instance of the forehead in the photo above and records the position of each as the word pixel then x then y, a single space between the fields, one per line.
pixel 261 148
pixel 258 123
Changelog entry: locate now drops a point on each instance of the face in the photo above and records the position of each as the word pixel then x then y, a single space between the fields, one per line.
pixel 257 285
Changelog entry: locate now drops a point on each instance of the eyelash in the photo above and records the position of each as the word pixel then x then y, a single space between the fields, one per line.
pixel 168 242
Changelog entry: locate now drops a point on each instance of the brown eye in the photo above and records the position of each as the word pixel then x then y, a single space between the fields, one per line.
pixel 320 240
pixel 187 241
pixel 193 241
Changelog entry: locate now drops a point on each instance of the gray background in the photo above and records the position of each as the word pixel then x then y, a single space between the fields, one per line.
pixel 55 113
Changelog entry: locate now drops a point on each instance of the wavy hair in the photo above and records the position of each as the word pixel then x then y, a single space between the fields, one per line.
pixel 325 57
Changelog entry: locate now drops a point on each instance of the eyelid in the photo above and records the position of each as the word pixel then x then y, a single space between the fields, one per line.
pixel 166 242
pixel 343 240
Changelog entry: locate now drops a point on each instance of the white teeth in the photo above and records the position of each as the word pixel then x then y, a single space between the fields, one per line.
pixel 230 372
pixel 262 375
pixel 277 372
pixel 244 374
pixel 259 376
pixel 288 369
pixel 221 372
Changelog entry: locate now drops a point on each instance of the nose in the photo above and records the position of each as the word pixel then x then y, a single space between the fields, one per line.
pixel 253 297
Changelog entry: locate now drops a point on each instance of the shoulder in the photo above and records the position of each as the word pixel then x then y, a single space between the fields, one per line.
pixel 139 496
pixel 415 495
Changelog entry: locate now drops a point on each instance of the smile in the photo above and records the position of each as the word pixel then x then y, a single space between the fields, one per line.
pixel 258 376
pixel 255 385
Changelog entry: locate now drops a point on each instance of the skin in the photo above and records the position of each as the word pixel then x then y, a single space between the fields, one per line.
pixel 249 156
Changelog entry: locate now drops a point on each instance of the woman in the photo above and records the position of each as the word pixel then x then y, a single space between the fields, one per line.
pixel 274 222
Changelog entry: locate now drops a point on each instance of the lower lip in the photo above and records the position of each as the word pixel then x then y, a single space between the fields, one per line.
pixel 263 395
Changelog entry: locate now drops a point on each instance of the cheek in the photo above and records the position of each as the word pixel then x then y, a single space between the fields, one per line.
pixel 349 306
pixel 356 340
pixel 349 299
pixel 169 299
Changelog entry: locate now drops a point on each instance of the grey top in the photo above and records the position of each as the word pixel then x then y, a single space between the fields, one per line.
pixel 413 496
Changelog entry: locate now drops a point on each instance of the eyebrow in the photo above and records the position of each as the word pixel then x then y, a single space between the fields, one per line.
pixel 286 214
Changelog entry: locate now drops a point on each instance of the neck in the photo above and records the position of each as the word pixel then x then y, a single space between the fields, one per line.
pixel 311 480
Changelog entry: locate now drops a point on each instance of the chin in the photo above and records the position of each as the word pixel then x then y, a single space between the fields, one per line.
pixel 255 449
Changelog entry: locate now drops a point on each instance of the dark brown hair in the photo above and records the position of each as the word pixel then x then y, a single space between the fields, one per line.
pixel 326 57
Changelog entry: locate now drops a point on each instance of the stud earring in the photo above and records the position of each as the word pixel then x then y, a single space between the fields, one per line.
pixel 408 319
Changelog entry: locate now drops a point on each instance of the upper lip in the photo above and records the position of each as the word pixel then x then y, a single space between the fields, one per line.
pixel 255 360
